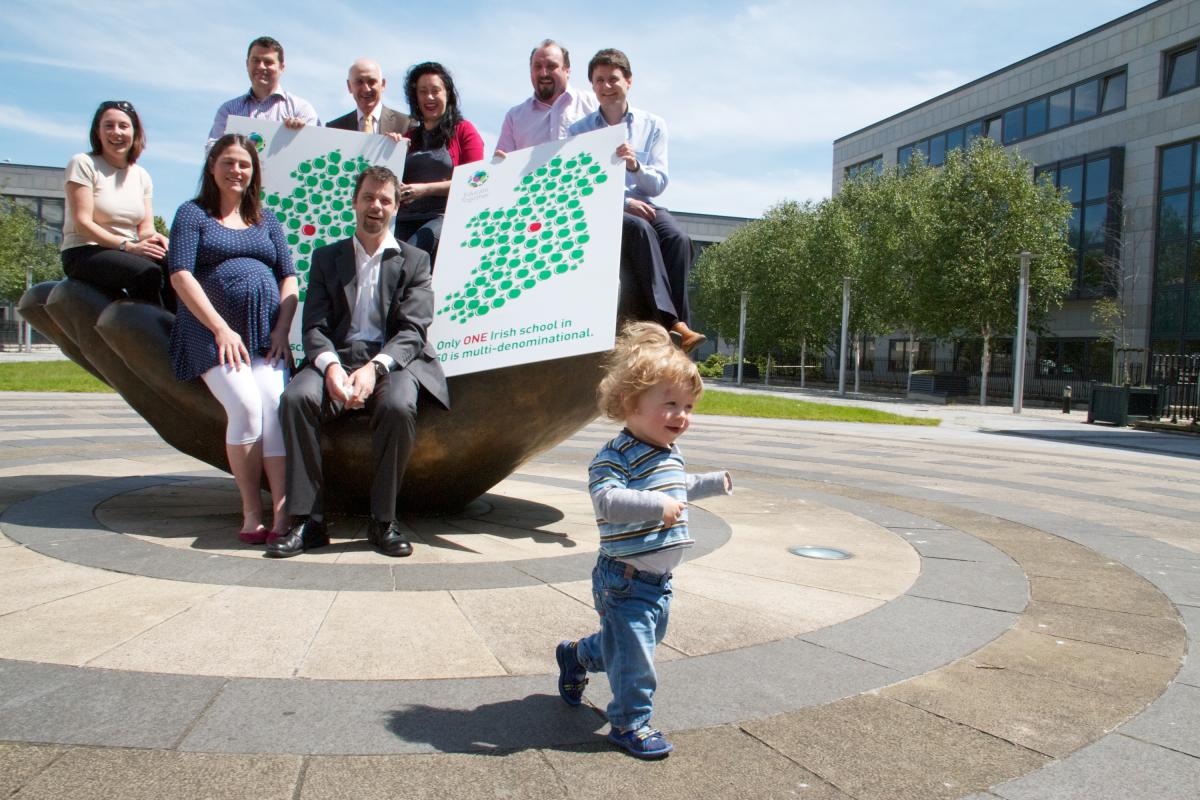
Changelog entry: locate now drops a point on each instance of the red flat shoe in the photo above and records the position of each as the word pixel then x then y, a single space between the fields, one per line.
pixel 273 535
pixel 259 535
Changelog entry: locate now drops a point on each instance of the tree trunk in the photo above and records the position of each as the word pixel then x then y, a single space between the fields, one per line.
pixel 986 366
pixel 803 352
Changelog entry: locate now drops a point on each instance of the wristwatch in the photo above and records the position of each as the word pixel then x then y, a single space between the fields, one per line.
pixel 380 369
pixel 121 246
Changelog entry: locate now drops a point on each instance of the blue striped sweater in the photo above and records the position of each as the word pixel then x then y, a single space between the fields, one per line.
pixel 627 480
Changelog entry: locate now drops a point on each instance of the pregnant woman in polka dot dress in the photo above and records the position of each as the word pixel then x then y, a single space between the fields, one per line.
pixel 231 268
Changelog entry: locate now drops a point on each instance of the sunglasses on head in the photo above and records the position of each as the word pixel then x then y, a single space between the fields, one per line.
pixel 120 105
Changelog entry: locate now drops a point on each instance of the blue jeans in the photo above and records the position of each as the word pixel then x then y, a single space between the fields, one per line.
pixel 633 620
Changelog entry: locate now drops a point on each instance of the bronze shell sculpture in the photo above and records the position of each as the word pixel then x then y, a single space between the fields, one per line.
pixel 498 419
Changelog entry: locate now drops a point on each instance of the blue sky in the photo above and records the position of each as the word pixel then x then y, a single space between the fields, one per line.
pixel 753 93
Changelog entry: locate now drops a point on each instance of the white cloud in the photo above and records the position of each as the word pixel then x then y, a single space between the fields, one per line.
pixel 58 127
pixel 720 193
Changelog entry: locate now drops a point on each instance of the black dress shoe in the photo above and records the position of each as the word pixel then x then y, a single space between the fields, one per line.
pixel 389 539
pixel 305 534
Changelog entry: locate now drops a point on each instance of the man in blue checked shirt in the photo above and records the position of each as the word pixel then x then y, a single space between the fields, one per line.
pixel 651 240
pixel 265 100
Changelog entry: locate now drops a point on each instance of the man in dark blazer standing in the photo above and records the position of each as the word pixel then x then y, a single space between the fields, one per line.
pixel 366 84
pixel 368 307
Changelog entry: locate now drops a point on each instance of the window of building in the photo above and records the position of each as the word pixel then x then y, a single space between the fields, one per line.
pixel 1103 94
pixel 1087 99
pixel 1035 117
pixel 1114 93
pixel 1181 70
pixel 1093 185
pixel 1060 109
pixel 898 350
pixel 870 166
pixel 1081 359
pixel 991 128
pixel 1175 314
pixel 1014 124
pixel 48 211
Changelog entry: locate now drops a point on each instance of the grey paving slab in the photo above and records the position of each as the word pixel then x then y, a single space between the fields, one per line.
pixel 1190 673
pixel 103 774
pixel 473 776
pixel 1172 721
pixel 1001 587
pixel 948 543
pixel 915 634
pixel 755 682
pixel 1167 491
pixel 105 707
pixel 1114 768
pixel 783 443
pixel 23 682
pixel 380 717
pixel 273 574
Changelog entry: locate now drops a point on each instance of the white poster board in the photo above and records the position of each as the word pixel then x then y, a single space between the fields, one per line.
pixel 308 183
pixel 528 264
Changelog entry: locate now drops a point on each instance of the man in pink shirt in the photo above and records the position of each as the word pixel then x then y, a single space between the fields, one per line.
pixel 554 106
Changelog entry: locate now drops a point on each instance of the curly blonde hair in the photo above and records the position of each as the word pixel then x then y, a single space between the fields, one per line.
pixel 643 356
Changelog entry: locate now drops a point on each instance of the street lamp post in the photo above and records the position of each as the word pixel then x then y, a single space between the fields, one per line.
pixel 1022 333
pixel 742 337
pixel 845 334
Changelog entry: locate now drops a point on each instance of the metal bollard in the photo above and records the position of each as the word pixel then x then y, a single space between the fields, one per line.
pixel 1067 399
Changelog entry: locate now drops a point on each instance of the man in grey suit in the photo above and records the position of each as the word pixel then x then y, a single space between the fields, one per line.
pixel 369 304
pixel 366 84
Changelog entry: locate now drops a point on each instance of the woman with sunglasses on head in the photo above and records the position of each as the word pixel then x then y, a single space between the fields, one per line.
pixel 232 269
pixel 109 239
pixel 440 141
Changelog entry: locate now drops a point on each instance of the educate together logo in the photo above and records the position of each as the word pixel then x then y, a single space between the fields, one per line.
pixel 478 179
pixel 541 236
pixel 319 210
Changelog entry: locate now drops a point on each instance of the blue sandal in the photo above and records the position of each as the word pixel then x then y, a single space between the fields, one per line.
pixel 644 742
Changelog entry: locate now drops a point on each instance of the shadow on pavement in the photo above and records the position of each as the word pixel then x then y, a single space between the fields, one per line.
pixel 535 721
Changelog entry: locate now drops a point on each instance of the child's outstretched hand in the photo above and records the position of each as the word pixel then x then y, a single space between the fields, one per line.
pixel 671 510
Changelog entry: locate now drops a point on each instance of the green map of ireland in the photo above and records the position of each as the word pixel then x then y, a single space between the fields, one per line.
pixel 543 234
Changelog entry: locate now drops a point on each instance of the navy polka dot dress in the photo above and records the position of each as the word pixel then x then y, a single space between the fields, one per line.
pixel 239 270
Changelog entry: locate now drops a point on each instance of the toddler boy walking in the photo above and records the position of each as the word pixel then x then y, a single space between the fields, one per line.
pixel 639 491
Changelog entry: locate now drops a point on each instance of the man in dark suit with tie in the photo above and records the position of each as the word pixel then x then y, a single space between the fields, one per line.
pixel 369 304
pixel 366 84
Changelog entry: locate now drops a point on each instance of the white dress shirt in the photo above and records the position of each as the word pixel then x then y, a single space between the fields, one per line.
pixel 366 318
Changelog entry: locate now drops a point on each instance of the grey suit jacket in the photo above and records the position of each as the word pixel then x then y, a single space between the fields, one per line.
pixel 390 121
pixel 406 298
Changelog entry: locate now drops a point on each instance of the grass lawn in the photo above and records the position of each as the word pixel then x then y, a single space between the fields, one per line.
pixel 48 376
pixel 736 404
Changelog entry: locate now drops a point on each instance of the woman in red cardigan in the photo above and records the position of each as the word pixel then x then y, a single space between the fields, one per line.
pixel 439 142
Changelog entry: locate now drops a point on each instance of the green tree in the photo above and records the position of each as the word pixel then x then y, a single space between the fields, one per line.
pixel 22 247
pixel 160 225
pixel 770 258
pixel 987 211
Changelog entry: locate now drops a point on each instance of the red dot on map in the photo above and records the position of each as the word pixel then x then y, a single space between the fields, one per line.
pixel 309 230
pixel 536 226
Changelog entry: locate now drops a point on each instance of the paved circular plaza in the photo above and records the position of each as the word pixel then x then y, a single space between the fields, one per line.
pixel 1015 622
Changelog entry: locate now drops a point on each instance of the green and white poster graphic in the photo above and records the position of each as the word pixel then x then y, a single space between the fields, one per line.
pixel 527 269
pixel 308 183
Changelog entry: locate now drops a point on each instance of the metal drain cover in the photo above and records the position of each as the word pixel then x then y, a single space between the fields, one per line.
pixel 825 553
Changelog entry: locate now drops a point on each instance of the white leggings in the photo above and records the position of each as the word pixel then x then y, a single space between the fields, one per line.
pixel 251 400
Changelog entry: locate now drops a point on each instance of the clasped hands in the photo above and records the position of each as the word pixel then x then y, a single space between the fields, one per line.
pixel 350 390
pixel 153 247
